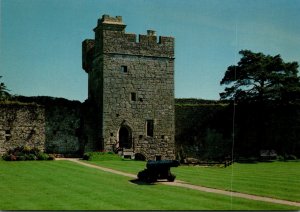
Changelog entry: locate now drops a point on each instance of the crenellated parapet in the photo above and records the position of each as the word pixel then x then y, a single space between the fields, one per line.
pixel 110 37
pixel 110 23
pixel 146 45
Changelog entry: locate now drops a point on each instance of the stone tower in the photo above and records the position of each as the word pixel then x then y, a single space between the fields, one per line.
pixel 130 90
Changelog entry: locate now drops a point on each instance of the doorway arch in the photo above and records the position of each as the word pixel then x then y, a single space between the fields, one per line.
pixel 125 138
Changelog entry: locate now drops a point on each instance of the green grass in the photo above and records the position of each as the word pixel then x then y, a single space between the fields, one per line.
pixel 101 156
pixel 277 179
pixel 64 185
pixel 272 179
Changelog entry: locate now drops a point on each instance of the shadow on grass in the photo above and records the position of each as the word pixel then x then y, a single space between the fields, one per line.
pixel 247 161
pixel 254 161
pixel 139 182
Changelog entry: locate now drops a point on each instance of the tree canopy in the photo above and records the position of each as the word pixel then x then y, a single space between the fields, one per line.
pixel 4 92
pixel 258 77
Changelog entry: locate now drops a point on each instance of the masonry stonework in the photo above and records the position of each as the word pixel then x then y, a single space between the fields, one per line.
pixel 50 124
pixel 21 125
pixel 131 91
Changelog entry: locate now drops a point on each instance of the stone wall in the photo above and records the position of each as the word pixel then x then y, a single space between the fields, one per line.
pixel 51 124
pixel 131 84
pixel 202 126
pixel 62 126
pixel 204 129
pixel 20 125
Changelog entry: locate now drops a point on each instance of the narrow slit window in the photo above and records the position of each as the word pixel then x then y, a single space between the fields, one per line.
pixel 149 128
pixel 124 69
pixel 7 135
pixel 133 96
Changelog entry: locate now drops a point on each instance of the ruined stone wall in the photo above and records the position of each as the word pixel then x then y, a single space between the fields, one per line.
pixel 62 125
pixel 201 125
pixel 21 125
pixel 50 124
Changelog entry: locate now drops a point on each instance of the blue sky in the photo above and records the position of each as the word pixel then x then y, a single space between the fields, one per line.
pixel 40 52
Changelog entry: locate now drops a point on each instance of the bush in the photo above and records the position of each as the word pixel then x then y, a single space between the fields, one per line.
pixel 101 156
pixel 25 153
pixel 9 157
pixel 280 158
pixel 42 156
pixel 22 157
pixel 31 157
pixel 291 157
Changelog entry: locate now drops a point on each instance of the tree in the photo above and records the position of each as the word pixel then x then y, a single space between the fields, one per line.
pixel 257 80
pixel 258 77
pixel 4 92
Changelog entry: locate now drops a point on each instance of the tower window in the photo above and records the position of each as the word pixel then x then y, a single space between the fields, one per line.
pixel 149 128
pixel 124 69
pixel 7 135
pixel 133 96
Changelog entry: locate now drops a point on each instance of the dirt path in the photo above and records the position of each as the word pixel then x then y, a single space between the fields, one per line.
pixel 183 184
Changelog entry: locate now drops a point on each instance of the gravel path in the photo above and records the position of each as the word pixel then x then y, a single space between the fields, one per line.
pixel 183 184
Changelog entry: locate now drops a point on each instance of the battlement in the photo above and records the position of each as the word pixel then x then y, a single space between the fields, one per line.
pixel 106 19
pixel 111 38
pixel 110 23
pixel 145 45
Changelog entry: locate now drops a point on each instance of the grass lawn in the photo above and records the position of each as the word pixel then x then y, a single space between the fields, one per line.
pixel 63 185
pixel 273 179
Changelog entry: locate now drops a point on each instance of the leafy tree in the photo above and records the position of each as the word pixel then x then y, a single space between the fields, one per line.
pixel 4 92
pixel 258 77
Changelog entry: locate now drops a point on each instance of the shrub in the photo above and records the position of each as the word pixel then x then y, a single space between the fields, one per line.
pixel 42 156
pixel 22 157
pixel 280 158
pixel 25 153
pixel 291 157
pixel 101 156
pixel 31 157
pixel 7 157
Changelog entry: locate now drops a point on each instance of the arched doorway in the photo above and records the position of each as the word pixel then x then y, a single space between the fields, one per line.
pixel 125 139
pixel 139 156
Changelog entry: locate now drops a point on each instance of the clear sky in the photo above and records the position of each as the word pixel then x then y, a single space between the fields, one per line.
pixel 41 39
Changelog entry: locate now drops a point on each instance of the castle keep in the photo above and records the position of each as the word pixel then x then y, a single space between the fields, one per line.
pixel 130 91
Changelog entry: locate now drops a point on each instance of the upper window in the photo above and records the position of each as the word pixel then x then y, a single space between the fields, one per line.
pixel 133 96
pixel 124 69
pixel 149 128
